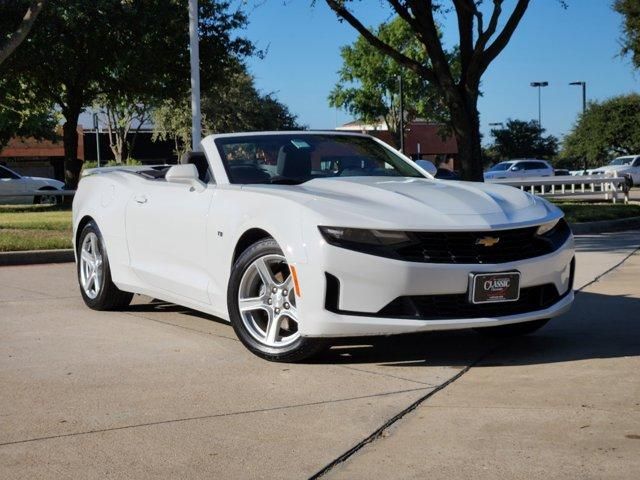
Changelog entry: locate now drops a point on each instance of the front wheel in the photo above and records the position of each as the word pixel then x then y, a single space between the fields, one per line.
pixel 513 330
pixel 263 306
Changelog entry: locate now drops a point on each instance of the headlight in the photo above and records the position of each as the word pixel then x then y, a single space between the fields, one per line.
pixel 547 227
pixel 342 235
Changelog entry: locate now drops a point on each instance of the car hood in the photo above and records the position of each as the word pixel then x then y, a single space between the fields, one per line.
pixel 415 203
pixel 46 181
pixel 612 168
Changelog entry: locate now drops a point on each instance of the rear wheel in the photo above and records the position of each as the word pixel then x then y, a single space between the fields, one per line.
pixel 94 276
pixel 263 308
pixel 513 330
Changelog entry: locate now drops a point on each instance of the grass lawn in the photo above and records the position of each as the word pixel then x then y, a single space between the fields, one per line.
pixel 578 212
pixel 34 227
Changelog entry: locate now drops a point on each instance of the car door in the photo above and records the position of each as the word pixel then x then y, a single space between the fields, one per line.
pixel 167 236
pixel 12 187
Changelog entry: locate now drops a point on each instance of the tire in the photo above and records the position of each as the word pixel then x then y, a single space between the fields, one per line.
pixel 512 330
pixel 261 280
pixel 103 295
pixel 45 198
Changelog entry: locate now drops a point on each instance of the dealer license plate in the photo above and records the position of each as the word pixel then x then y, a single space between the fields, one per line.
pixel 494 287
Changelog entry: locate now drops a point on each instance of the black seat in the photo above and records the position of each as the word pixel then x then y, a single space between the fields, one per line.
pixel 294 162
pixel 202 164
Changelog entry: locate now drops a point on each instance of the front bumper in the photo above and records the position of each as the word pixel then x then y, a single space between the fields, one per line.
pixel 368 283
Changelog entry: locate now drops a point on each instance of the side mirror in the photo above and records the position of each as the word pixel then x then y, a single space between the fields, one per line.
pixel 515 169
pixel 186 174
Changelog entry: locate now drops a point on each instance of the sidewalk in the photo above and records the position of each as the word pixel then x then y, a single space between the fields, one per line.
pixel 568 406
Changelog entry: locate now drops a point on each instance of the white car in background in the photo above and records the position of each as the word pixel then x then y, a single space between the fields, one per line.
pixel 520 169
pixel 16 189
pixel 629 165
pixel 298 237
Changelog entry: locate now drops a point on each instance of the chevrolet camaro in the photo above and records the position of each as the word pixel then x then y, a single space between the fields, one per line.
pixel 300 237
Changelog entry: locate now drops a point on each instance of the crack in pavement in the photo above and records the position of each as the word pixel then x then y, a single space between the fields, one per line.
pixel 215 415
pixel 380 430
pixel 388 375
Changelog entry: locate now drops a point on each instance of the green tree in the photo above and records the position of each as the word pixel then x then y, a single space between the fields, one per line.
pixel 607 128
pixel 22 114
pixel 129 51
pixel 368 81
pixel 520 139
pixel 630 10
pixel 483 35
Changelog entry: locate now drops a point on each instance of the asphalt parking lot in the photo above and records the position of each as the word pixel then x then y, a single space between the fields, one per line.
pixel 159 391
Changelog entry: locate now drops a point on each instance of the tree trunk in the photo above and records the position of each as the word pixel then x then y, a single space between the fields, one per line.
pixel 72 164
pixel 466 128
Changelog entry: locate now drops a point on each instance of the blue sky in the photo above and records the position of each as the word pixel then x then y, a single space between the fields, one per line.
pixel 559 46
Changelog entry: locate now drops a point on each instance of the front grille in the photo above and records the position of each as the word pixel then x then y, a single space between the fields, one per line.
pixel 442 307
pixel 463 247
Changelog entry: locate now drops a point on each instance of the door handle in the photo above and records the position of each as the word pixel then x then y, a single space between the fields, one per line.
pixel 140 198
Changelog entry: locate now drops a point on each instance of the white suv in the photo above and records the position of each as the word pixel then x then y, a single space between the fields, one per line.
pixel 628 165
pixel 519 168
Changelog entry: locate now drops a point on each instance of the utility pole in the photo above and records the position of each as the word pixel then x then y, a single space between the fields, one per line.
pixel 584 94
pixel 401 113
pixel 539 86
pixel 196 118
pixel 97 129
pixel 584 109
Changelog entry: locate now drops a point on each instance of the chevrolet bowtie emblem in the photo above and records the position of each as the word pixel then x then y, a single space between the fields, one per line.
pixel 487 241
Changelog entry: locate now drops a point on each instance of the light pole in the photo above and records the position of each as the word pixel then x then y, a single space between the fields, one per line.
pixel 584 108
pixel 539 86
pixel 195 75
pixel 584 94
pixel 97 128
pixel 401 113
pixel 496 124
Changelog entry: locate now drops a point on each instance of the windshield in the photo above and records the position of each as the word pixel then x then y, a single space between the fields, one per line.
pixel 622 161
pixel 298 157
pixel 500 166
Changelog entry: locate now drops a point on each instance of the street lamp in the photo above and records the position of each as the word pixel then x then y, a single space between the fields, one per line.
pixel 584 94
pixel 195 76
pixel 584 108
pixel 496 124
pixel 96 126
pixel 539 86
pixel 401 113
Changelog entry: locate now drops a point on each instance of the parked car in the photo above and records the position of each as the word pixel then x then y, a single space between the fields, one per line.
pixel 367 245
pixel 629 166
pixel 16 189
pixel 519 169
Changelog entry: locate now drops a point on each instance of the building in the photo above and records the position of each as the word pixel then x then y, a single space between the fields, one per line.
pixel 38 158
pixel 45 158
pixel 422 139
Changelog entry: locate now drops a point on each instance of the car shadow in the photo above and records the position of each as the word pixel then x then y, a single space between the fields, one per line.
pixel 598 326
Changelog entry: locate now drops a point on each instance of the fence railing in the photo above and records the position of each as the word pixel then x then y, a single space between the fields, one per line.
pixel 565 186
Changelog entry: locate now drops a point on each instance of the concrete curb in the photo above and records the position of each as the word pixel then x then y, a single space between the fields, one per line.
pixel 603 226
pixel 32 257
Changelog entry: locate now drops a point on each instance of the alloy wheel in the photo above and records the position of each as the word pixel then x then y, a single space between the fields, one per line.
pixel 267 303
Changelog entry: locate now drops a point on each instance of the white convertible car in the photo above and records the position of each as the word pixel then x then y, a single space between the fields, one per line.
pixel 299 237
